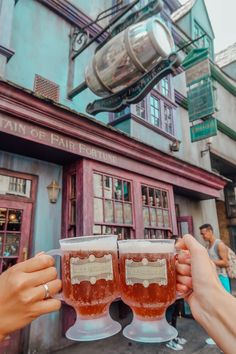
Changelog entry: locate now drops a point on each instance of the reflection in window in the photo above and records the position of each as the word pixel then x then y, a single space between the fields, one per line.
pixel 165 90
pixel 13 185
pixel 168 120
pixel 155 212
pixel 10 237
pixel 155 111
pixel 112 205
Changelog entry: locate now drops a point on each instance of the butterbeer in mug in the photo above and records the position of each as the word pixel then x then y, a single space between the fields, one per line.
pixel 148 286
pixel 90 282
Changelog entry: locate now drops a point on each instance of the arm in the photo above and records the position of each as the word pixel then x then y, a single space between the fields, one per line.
pixel 22 296
pixel 209 302
pixel 223 254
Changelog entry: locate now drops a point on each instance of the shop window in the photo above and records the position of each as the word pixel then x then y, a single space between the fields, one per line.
pixel 72 206
pixel 11 185
pixel 156 213
pixel 113 208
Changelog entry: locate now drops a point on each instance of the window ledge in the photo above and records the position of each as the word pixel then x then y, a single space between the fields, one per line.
pixel 145 124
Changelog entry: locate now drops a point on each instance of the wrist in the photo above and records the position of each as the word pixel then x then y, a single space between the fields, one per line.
pixel 212 309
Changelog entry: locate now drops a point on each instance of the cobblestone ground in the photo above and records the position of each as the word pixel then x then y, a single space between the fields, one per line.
pixel 188 328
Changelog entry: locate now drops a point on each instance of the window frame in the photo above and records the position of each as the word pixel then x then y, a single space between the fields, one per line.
pixel 113 225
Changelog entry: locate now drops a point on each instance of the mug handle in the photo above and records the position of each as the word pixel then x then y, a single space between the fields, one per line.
pixel 182 295
pixel 56 252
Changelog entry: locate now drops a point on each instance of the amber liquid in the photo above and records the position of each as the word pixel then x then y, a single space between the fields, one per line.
pixel 89 300
pixel 149 303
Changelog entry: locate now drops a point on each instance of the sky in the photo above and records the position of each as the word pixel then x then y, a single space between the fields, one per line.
pixel 222 15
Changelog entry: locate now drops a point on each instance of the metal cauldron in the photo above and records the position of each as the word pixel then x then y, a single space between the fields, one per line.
pixel 128 55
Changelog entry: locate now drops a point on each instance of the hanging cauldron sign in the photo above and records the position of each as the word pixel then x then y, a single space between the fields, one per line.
pixel 128 65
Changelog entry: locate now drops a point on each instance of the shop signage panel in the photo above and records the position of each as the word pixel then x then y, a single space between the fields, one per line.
pixel 198 72
pixel 201 101
pixel 203 130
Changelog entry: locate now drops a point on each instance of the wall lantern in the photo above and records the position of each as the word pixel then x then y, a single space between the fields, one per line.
pixel 53 191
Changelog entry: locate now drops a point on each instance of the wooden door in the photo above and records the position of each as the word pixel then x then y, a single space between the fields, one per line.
pixel 185 225
pixel 15 224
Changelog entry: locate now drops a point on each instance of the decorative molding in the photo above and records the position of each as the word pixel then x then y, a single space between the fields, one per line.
pixel 129 153
pixel 73 15
pixel 181 100
pixel 8 53
pixel 222 79
pixel 144 123
pixel 223 128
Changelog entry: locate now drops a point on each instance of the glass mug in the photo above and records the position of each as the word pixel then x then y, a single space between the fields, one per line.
pixel 90 282
pixel 148 286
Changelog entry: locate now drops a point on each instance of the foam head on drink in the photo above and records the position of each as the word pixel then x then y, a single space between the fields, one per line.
pixel 90 275
pixel 148 280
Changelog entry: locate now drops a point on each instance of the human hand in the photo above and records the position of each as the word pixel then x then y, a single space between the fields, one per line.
pixel 196 272
pixel 23 296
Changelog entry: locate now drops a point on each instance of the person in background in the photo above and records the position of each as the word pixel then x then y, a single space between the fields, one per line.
pixel 172 314
pixel 212 307
pixel 219 255
pixel 25 293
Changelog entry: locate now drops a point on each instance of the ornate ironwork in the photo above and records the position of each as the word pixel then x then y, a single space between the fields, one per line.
pixel 137 91
pixel 83 32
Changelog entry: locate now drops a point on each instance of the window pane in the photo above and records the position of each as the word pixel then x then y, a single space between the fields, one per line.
pixel 3 216
pixel 109 213
pixel 151 196
pixel 155 111
pixel 97 185
pixel 159 218
pixel 166 218
pixel 153 216
pixel 164 200
pixel 107 187
pixel 165 86
pixel 98 210
pixel 128 213
pixel 13 185
pixel 157 197
pixel 107 230
pixel 73 186
pixel 12 245
pixel 14 220
pixel 117 189
pixel 97 230
pixel 127 191
pixel 144 195
pixel 145 216
pixel 119 213
pixel 127 233
pixel 73 213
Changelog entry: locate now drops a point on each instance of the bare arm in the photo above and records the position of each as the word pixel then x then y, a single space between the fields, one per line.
pixel 223 254
pixel 210 304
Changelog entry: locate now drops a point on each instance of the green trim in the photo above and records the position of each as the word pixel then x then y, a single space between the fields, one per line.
pixel 223 128
pixel 195 56
pixel 221 79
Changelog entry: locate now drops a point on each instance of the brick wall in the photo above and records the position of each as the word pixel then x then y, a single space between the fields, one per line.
pixel 223 221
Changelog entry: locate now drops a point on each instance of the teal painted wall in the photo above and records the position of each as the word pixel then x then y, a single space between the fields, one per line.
pixel 40 39
pixel 231 70
pixel 199 13
pixel 45 332
pixel 124 126
pixel 47 219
